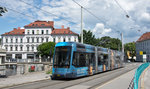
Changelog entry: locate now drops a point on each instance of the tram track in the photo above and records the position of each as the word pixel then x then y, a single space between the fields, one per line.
pixel 57 84
pixel 82 80
pixel 103 76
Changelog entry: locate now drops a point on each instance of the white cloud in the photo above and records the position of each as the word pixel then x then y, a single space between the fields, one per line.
pixel 99 29
pixel 112 17
pixel 145 16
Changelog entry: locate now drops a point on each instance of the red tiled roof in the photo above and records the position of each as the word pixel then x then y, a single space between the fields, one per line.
pixel 39 23
pixel 145 36
pixel 63 31
pixel 15 31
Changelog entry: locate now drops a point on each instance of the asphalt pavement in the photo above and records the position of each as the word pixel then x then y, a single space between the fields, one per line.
pixel 91 82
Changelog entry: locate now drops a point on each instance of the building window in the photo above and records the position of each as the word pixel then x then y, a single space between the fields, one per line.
pixel 21 40
pixel 18 56
pixel 11 40
pixel 11 48
pixel 37 40
pixel 69 39
pixel 27 48
pixel 32 31
pixel 8 56
pixel 37 31
pixel 21 48
pixel 53 39
pixel 46 39
pixel 46 31
pixel 6 40
pixel 42 40
pixel 28 32
pixel 32 48
pixel 64 40
pixel 6 48
pixel 30 56
pixel 32 40
pixel 75 39
pixel 58 39
pixel 42 31
pixel 16 40
pixel 28 40
pixel 16 48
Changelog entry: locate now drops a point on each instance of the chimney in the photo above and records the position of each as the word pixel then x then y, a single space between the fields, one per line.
pixel 15 28
pixel 68 28
pixel 62 26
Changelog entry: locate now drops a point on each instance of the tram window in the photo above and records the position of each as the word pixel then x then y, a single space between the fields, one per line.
pixel 102 59
pixel 82 59
pixel 62 56
pixel 106 59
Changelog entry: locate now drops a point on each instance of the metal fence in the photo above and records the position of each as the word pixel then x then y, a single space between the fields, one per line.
pixel 27 60
pixel 2 70
pixel 11 70
pixel 138 72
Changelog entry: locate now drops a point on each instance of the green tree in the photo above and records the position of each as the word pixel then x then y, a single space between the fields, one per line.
pixel 46 49
pixel 108 42
pixel 131 48
pixel 2 10
pixel 88 37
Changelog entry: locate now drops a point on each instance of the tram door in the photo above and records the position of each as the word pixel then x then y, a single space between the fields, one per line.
pixel 91 64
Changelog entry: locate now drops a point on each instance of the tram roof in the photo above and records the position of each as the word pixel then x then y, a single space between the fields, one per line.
pixel 71 44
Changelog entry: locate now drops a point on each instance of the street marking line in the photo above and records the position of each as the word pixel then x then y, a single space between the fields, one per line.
pixel 112 80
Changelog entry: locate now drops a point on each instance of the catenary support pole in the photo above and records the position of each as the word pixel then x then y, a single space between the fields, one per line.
pixel 122 47
pixel 81 26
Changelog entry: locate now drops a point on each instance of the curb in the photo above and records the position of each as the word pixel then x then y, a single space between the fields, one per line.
pixel 142 78
pixel 13 85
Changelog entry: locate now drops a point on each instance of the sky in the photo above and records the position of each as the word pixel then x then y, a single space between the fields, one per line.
pixel 111 19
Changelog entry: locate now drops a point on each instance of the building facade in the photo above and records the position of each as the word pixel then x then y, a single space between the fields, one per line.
pixel 143 47
pixel 22 44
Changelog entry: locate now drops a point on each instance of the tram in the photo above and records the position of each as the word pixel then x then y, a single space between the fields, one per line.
pixel 72 60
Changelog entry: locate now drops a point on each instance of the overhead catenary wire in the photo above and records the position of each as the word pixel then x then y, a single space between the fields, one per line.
pixel 93 14
pixel 127 15
pixel 89 11
pixel 20 12
pixel 45 11
pixel 122 8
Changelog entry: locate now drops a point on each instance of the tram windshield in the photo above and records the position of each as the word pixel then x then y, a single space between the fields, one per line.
pixel 62 57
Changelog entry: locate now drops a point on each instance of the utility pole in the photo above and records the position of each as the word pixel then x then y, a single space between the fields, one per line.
pixel 81 26
pixel 81 21
pixel 122 47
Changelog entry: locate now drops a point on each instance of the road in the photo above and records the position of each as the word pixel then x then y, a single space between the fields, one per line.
pixel 91 82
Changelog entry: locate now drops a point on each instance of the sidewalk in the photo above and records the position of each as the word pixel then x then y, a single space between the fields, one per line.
pixel 20 79
pixel 146 84
pixel 121 82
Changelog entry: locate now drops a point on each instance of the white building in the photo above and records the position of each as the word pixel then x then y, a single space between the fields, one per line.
pixel 23 43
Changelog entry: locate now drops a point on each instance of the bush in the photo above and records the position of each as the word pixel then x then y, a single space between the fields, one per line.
pixel 49 72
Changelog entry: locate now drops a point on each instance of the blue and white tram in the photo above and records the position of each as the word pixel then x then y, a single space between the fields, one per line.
pixel 72 60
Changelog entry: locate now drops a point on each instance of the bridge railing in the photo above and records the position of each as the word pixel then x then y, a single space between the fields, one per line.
pixel 138 72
